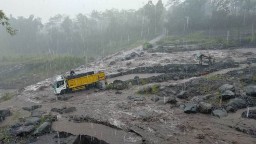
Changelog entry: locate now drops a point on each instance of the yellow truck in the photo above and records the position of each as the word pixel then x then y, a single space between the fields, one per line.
pixel 73 82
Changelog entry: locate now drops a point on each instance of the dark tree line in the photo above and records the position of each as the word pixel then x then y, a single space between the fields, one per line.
pixel 91 35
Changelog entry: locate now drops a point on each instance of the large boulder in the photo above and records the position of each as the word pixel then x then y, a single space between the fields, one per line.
pixel 43 129
pixel 235 104
pixel 190 108
pixel 131 56
pixel 251 90
pixel 4 113
pixel 22 130
pixel 251 114
pixel 226 95
pixel 220 113
pixel 204 107
pixel 119 85
pixel 225 87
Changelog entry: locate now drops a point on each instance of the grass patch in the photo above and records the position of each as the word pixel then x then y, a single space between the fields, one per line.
pixel 20 71
pixel 153 89
pixel 5 135
pixel 6 97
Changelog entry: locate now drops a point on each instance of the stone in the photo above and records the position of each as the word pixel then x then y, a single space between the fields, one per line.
pixel 118 92
pixel 205 108
pixel 225 87
pixel 182 95
pixel 230 109
pixel 136 98
pixel 32 121
pixel 22 130
pixel 236 104
pixel 119 85
pixel 228 95
pixel 251 90
pixel 32 107
pixel 4 113
pixel 43 129
pixel 112 63
pixel 171 100
pixel 155 98
pixel 220 113
pixel 37 113
pixel 190 108
pixel 251 114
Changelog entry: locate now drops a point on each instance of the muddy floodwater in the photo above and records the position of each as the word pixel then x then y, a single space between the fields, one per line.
pixel 131 76
pixel 102 132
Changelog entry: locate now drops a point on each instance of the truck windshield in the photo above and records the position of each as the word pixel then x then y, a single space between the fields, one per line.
pixel 59 84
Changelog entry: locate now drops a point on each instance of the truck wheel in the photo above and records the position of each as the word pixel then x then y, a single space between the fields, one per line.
pixel 101 85
pixel 62 92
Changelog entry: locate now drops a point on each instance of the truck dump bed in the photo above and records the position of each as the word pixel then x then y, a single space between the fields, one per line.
pixel 84 79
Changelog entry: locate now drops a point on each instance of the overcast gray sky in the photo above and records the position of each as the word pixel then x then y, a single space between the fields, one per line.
pixel 48 8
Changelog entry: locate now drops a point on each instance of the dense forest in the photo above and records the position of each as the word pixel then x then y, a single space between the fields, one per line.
pixel 101 33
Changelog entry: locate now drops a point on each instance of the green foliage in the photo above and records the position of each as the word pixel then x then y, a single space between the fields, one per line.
pixel 34 69
pixel 5 135
pixel 4 21
pixel 147 45
pixel 153 89
pixel 6 97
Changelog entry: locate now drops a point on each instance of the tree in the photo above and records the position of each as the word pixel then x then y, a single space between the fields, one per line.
pixel 4 22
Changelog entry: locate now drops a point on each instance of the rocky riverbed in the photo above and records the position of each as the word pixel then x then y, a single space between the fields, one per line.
pixel 151 98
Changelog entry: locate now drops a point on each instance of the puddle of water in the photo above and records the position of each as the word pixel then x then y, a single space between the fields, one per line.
pixel 102 132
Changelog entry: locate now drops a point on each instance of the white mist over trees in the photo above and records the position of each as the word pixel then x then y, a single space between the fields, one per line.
pixel 101 33
pixel 87 35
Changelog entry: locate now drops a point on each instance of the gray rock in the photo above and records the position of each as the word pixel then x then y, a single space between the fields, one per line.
pixel 37 113
pixel 43 129
pixel 23 130
pixel 32 107
pixel 136 98
pixel 171 100
pixel 235 104
pixel 228 95
pixel 112 63
pixel 251 114
pixel 225 87
pixel 4 113
pixel 119 85
pixel 251 90
pixel 205 107
pixel 230 109
pixel 118 92
pixel 220 113
pixel 32 121
pixel 190 108
pixel 155 98
pixel 182 95
pixel 131 56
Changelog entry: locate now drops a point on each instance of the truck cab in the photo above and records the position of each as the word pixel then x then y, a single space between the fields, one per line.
pixel 59 85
